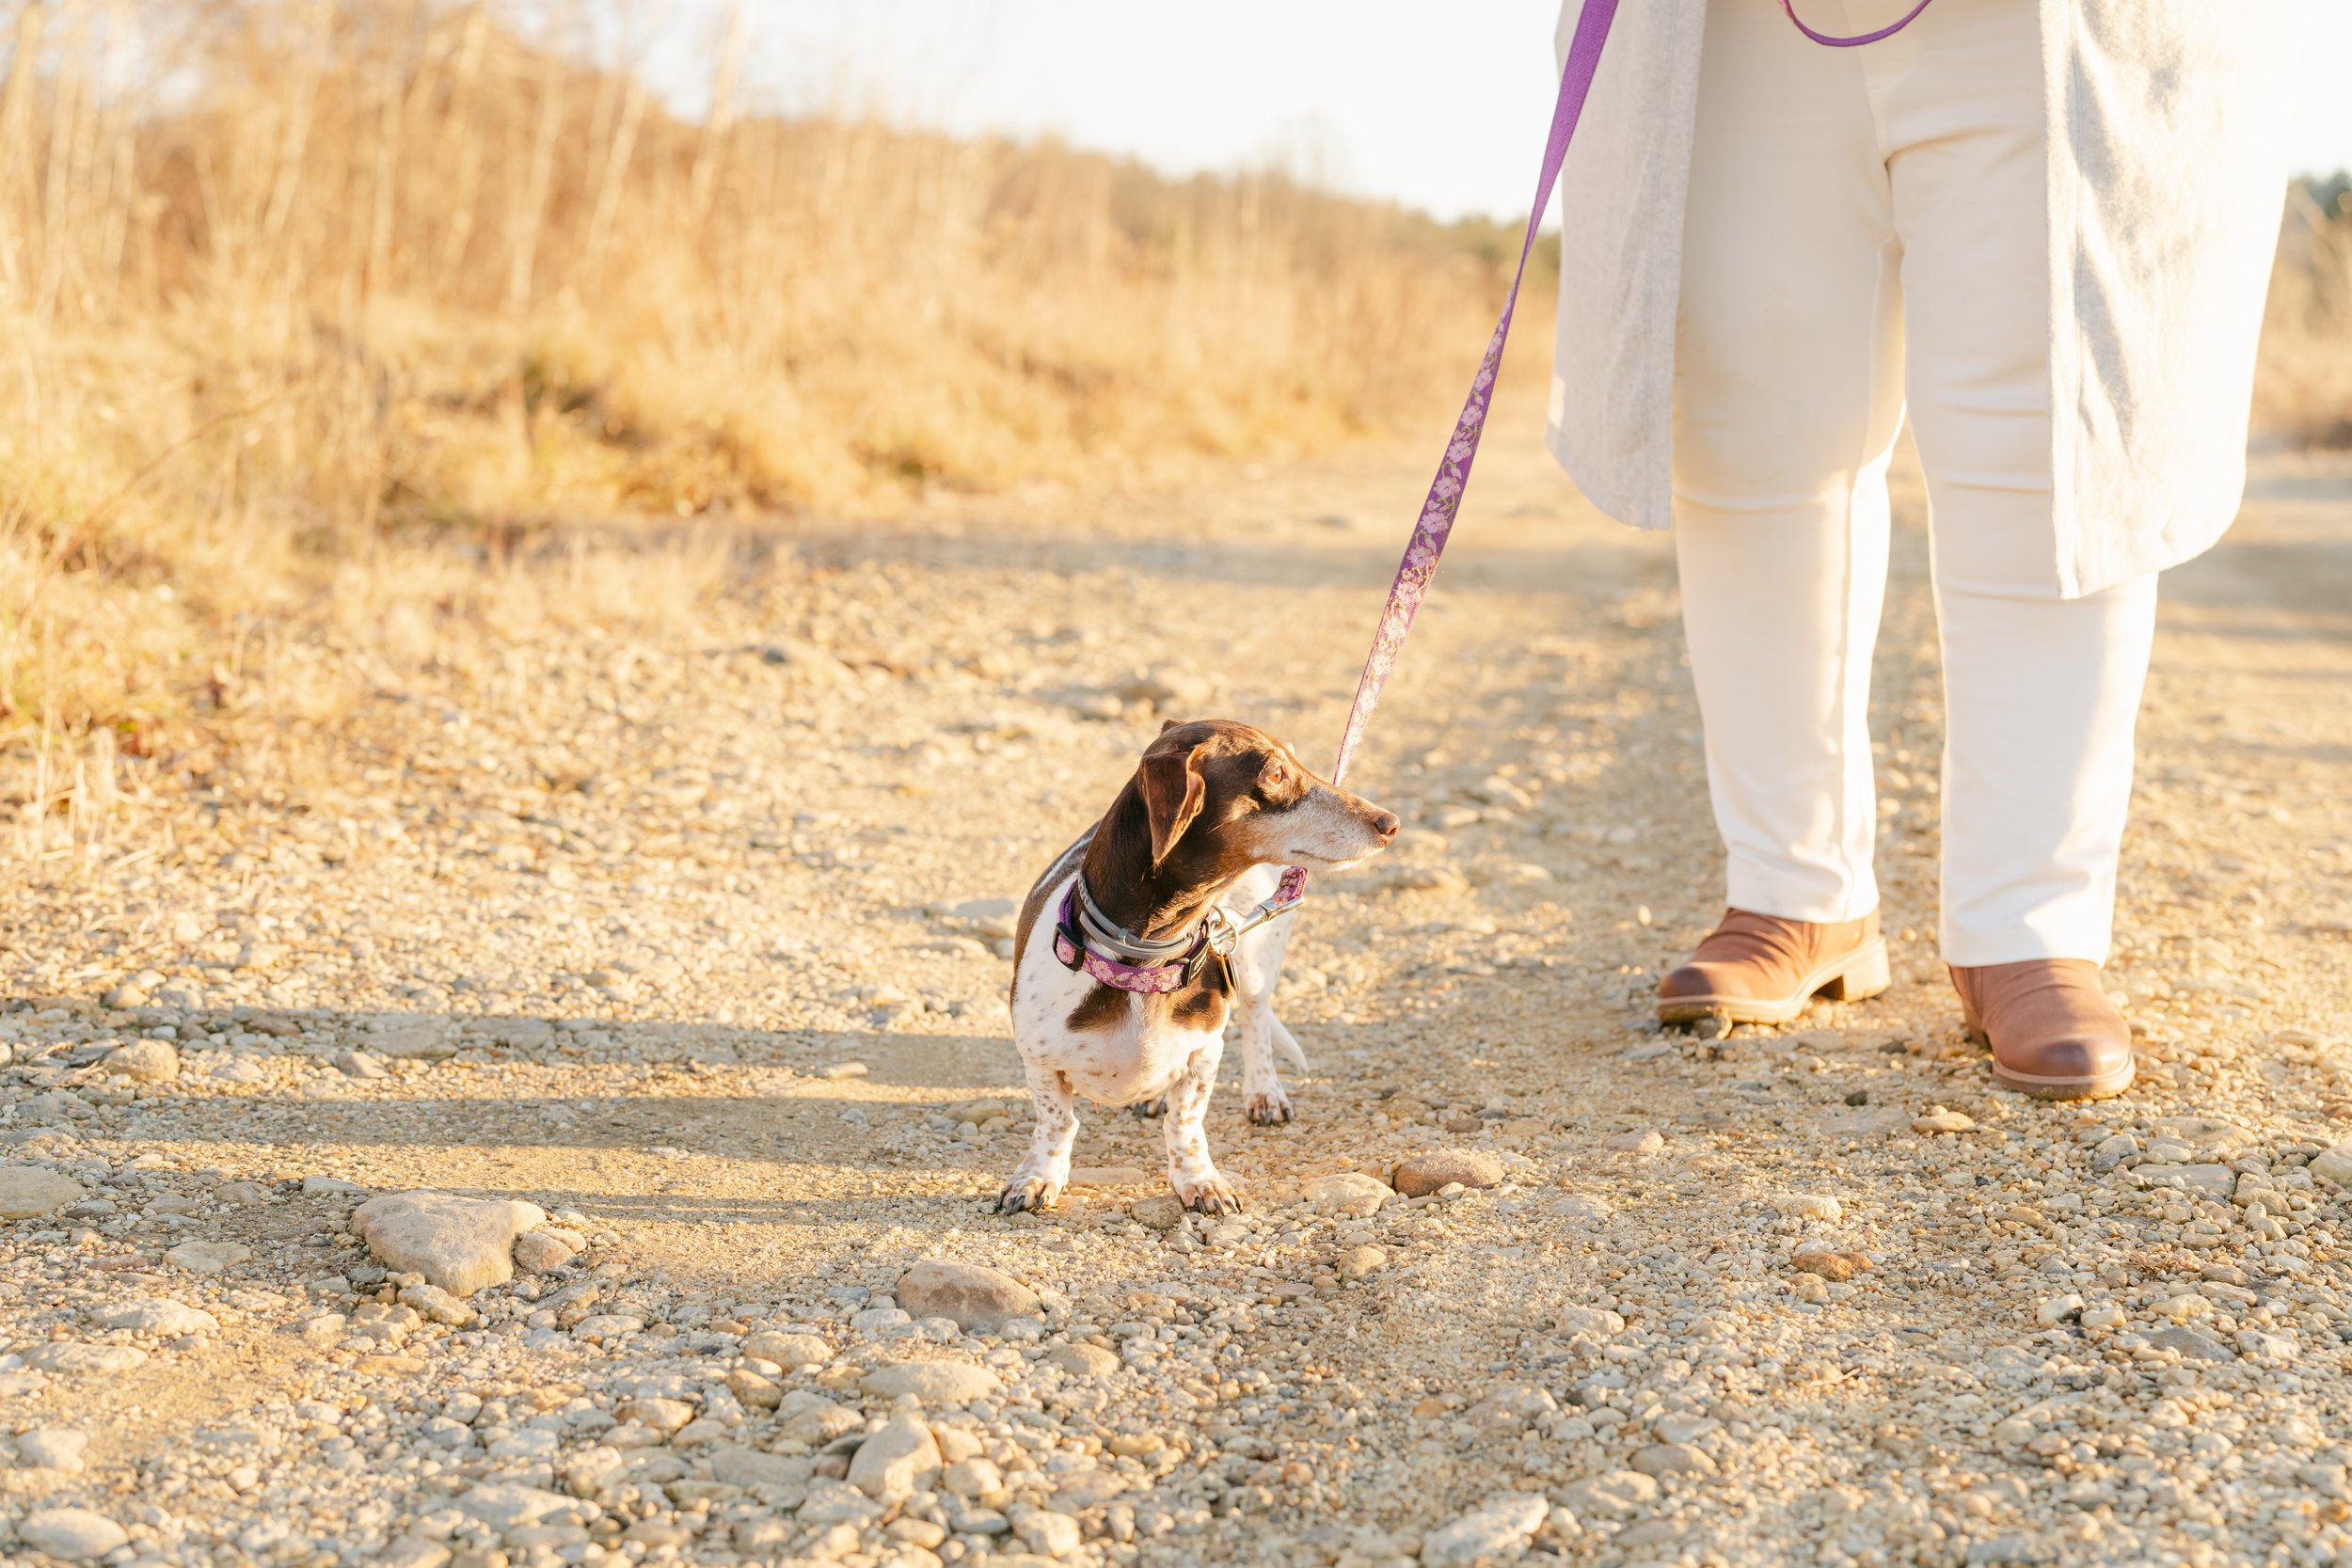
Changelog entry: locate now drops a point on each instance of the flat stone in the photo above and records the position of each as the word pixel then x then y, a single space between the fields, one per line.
pixel 438 1304
pixel 789 1351
pixel 155 1317
pixel 462 1244
pixel 897 1462
pixel 51 1448
pixel 209 1257
pixel 1582 1208
pixel 29 1191
pixel 1673 1459
pixel 1942 1121
pixel 1829 1264
pixel 659 1414
pixel 143 1062
pixel 741 1467
pixel 1419 1175
pixel 1510 1408
pixel 1349 1192
pixel 505 1504
pixel 1083 1360
pixel 2335 1164
pixel 969 1295
pixel 1500 1529
pixel 2194 1343
pixel 1810 1206
pixel 1588 1319
pixel 1055 1535
pixel 2213 1180
pixel 537 1252
pixel 1361 1262
pixel 935 1383
pixel 2210 1133
pixel 80 1360
pixel 1617 1495
pixel 1646 1141
pixel 70 1534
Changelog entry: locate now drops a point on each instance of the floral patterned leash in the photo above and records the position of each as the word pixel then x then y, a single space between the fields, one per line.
pixel 1445 492
pixel 1427 543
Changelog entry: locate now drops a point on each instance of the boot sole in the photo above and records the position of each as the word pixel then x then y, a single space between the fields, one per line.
pixel 1856 976
pixel 2059 1088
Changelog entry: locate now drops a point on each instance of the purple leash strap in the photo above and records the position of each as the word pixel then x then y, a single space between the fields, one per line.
pixel 1789 11
pixel 1427 542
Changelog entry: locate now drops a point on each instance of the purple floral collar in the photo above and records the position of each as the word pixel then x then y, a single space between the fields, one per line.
pixel 1072 926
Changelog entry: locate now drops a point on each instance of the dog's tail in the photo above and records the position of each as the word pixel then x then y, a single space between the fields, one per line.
pixel 1284 1046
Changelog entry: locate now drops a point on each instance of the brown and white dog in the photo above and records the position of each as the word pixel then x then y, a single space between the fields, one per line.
pixel 1213 813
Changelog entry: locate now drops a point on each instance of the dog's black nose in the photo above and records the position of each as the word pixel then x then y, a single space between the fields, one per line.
pixel 1385 825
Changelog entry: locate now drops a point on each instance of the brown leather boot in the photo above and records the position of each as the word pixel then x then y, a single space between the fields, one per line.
pixel 2053 1030
pixel 1761 969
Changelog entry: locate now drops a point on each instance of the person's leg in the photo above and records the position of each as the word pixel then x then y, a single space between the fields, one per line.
pixel 1786 370
pixel 2040 691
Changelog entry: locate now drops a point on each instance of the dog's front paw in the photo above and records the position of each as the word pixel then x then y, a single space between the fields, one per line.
pixel 1207 1195
pixel 1030 1193
pixel 1155 1106
pixel 1270 1109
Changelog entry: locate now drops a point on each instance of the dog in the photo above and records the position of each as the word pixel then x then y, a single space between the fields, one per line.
pixel 1121 984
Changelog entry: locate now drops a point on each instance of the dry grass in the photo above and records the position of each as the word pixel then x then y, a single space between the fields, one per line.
pixel 2303 391
pixel 324 318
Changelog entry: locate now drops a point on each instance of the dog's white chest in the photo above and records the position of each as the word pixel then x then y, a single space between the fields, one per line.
pixel 1134 1054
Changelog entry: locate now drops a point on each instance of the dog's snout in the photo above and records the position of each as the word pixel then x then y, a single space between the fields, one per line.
pixel 1385 824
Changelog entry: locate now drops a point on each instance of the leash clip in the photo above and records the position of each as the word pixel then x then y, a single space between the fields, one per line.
pixel 1225 932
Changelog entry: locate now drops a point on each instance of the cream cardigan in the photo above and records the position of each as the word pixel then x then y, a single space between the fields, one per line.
pixel 2167 134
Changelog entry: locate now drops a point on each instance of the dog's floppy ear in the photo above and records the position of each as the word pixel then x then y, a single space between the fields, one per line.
pixel 1172 792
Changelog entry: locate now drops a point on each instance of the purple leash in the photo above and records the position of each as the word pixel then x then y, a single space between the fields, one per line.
pixel 1427 543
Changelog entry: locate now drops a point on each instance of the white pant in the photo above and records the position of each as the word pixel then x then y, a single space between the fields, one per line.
pixel 1866 230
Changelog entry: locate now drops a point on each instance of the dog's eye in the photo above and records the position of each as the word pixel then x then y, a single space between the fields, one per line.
pixel 1275 776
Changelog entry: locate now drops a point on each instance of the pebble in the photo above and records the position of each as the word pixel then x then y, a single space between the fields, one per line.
pixel 2192 1342
pixel 70 1534
pixel 1810 1206
pixel 76 1360
pixel 897 1462
pixel 1500 1529
pixel 2334 1165
pixel 1646 1141
pixel 1419 1175
pixel 2054 1310
pixel 1673 1459
pixel 1939 1119
pixel 1830 1263
pixel 462 1244
pixel 1584 1208
pixel 935 1383
pixel 506 1505
pixel 27 1192
pixel 1349 1193
pixel 1159 1212
pixel 1617 1495
pixel 537 1252
pixel 1041 1530
pixel 1360 1262
pixel 969 1295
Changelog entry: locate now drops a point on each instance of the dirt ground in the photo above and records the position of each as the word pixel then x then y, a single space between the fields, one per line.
pixel 693 941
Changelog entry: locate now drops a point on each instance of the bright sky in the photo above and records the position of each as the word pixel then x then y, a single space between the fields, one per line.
pixel 1438 105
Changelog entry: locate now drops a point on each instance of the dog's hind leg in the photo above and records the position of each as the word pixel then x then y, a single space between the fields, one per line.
pixel 1038 1181
pixel 1190 1170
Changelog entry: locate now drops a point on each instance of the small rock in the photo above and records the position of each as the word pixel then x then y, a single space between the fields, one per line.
pixel 970 1295
pixel 461 1245
pixel 1647 1141
pixel 1042 1530
pixel 1350 1193
pixel 896 1462
pixel 1159 1212
pixel 935 1383
pixel 155 1317
pixel 1419 1175
pixel 1083 1360
pixel 29 1191
pixel 1588 1319
pixel 1584 1208
pixel 209 1257
pixel 659 1414
pixel 1501 1530
pixel 972 1477
pixel 331 1186
pixel 1673 1459
pixel 1939 1119
pixel 1511 1408
pixel 438 1304
pixel 70 1534
pixel 1618 1495
pixel 536 1252
pixel 789 1350
pixel 1811 1205
pixel 2334 1165
pixel 51 1448
pixel 505 1504
pixel 1362 1261
pixel 2104 1315
pixel 2057 1309
pixel 1829 1264
pixel 361 1065
pixel 143 1062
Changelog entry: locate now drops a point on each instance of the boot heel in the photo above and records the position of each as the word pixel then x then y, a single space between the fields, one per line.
pixel 1866 974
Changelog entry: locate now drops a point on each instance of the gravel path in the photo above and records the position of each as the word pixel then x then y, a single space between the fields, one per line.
pixel 692 945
